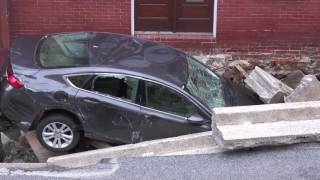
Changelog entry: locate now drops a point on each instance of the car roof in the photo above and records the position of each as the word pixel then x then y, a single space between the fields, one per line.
pixel 117 51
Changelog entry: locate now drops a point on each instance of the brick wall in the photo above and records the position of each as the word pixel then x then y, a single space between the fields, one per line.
pixel 280 34
pixel 278 31
pixel 49 16
pixel 196 43
pixel 269 21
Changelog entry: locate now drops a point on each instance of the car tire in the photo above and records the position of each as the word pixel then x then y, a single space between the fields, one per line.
pixel 58 133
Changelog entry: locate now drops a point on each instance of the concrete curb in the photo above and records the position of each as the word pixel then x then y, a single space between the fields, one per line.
pixel 182 145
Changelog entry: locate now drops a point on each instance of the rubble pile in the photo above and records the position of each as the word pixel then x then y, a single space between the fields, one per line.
pixel 15 148
pixel 18 152
pixel 295 87
pixel 290 114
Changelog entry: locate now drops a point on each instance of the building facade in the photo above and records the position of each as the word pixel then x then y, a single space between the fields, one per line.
pixel 278 33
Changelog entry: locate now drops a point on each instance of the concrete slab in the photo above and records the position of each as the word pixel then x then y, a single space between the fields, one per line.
pixel 188 144
pixel 41 152
pixel 268 88
pixel 25 166
pixel 307 90
pixel 273 124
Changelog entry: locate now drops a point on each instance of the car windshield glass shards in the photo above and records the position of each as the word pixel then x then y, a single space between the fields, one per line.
pixel 65 50
pixel 204 84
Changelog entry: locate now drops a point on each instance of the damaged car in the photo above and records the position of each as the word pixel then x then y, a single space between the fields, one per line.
pixel 109 87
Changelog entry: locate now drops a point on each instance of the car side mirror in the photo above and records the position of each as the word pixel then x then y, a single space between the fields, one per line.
pixel 196 119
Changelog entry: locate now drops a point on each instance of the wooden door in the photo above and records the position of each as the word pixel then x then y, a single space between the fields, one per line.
pixel 153 15
pixel 174 15
pixel 194 16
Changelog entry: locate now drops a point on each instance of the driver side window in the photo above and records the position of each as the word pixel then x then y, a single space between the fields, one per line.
pixel 164 99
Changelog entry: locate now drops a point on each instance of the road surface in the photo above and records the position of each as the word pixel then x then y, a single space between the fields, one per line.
pixel 289 162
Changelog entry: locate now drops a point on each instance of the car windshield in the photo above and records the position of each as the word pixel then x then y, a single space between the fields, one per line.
pixel 204 84
pixel 65 50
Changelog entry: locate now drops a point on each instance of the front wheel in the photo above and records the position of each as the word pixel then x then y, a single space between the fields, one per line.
pixel 58 133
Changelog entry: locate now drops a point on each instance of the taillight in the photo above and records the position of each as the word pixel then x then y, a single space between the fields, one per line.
pixel 12 80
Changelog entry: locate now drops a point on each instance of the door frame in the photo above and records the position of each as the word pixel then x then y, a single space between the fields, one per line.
pixel 215 14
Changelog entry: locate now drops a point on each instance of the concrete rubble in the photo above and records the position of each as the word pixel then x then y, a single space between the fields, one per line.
pixel 17 151
pixel 14 146
pixel 199 143
pixel 293 78
pixel 41 152
pixel 268 88
pixel 269 124
pixel 307 90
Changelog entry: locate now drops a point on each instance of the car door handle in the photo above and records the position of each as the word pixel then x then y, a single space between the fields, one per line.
pixel 91 101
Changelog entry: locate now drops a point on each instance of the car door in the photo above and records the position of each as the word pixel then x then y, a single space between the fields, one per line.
pixel 108 105
pixel 166 112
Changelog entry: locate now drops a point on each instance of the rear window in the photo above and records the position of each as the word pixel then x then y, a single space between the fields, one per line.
pixel 81 81
pixel 65 50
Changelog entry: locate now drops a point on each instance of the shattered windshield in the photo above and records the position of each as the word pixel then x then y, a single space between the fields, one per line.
pixel 204 84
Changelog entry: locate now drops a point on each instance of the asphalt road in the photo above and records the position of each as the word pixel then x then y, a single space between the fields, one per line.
pixel 292 162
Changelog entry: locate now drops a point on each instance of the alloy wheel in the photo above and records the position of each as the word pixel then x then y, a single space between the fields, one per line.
pixel 57 135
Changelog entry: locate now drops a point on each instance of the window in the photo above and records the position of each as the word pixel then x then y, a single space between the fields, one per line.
pixel 117 86
pixel 174 15
pixel 65 50
pixel 164 99
pixel 80 80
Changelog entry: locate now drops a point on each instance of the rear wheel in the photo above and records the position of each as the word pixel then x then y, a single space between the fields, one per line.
pixel 58 133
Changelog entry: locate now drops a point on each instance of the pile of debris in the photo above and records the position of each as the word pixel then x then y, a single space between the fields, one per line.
pixel 14 147
pixel 296 87
pixel 291 113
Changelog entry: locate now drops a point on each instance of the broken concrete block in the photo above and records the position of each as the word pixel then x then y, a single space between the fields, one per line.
pixel 41 152
pixel 293 78
pixel 272 124
pixel 198 143
pixel 308 90
pixel 5 139
pixel 268 88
